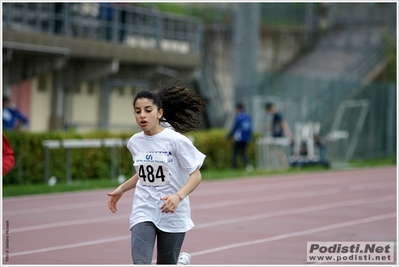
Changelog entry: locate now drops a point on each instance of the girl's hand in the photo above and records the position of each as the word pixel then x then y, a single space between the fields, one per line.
pixel 170 204
pixel 113 199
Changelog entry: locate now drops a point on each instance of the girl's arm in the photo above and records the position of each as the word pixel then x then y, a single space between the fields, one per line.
pixel 193 181
pixel 115 195
pixel 172 201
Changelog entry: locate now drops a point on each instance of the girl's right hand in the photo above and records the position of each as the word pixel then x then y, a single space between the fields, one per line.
pixel 113 199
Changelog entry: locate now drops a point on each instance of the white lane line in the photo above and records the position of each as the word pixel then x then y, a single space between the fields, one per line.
pixel 58 195
pixel 126 200
pixel 198 207
pixel 75 245
pixel 298 233
pixel 242 201
pixel 213 205
pixel 319 180
pixel 313 193
pixel 298 211
pixel 205 206
pixel 65 207
pixel 256 217
pixel 319 176
pixel 294 182
pixel 68 223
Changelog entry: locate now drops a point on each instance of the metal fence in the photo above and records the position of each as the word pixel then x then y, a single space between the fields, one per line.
pixel 119 23
pixel 356 121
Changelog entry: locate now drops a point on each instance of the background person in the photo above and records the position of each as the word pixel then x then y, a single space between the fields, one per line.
pixel 241 131
pixel 13 119
pixel 281 134
pixel 167 165
pixel 279 127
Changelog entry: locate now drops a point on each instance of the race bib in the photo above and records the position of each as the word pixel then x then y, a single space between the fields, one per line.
pixel 152 169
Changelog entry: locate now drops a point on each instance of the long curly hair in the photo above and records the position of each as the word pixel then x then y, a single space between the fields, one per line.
pixel 181 107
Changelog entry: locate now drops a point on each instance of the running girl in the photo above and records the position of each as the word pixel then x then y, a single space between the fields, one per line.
pixel 167 170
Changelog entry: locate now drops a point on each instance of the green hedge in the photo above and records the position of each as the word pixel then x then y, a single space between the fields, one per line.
pixel 95 163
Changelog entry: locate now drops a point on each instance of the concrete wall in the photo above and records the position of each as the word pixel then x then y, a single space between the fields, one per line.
pixel 278 48
pixel 121 109
pixel 40 105
pixel 84 105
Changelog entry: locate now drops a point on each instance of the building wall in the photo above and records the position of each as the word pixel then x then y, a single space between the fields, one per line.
pixel 33 99
pixel 121 115
pixel 20 98
pixel 84 106
pixel 40 104
pixel 279 46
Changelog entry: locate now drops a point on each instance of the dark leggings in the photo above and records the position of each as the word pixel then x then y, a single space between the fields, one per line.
pixel 143 241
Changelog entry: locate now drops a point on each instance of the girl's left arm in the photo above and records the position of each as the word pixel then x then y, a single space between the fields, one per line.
pixel 172 201
pixel 193 181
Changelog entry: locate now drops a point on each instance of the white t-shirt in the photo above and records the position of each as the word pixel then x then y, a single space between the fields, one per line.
pixel 182 159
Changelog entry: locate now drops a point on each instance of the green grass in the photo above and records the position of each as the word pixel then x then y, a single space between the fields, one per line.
pixel 374 162
pixel 76 185
pixel 33 189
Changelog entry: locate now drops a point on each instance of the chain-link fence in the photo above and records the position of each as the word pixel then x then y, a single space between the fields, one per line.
pixel 356 121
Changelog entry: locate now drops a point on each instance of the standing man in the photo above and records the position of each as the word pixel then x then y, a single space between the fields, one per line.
pixel 242 133
pixel 279 126
pixel 281 134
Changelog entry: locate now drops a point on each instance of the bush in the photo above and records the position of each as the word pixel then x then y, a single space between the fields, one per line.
pixel 95 163
pixel 217 149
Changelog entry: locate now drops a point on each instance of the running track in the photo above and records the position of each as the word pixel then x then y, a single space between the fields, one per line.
pixel 259 220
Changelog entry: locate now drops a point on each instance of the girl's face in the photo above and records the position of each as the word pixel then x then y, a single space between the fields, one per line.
pixel 147 116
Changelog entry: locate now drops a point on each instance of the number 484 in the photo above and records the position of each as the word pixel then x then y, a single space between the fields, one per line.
pixel 147 172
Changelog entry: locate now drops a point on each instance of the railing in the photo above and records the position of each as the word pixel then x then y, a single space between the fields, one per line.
pixel 118 23
pixel 311 99
pixel 351 79
pixel 69 144
pixel 370 57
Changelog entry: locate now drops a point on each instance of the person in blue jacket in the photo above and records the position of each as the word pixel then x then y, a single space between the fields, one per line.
pixel 242 134
pixel 13 119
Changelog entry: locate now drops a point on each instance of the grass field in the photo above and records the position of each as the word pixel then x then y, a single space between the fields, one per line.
pixel 76 185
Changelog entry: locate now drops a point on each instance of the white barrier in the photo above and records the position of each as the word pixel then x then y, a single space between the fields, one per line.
pixel 272 153
pixel 69 144
pixel 337 143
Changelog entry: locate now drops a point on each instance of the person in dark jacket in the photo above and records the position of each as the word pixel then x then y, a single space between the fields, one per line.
pixel 241 131
pixel 279 127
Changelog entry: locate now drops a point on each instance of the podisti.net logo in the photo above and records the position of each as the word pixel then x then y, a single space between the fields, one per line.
pixel 376 252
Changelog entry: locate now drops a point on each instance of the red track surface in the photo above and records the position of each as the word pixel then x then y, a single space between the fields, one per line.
pixel 260 220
